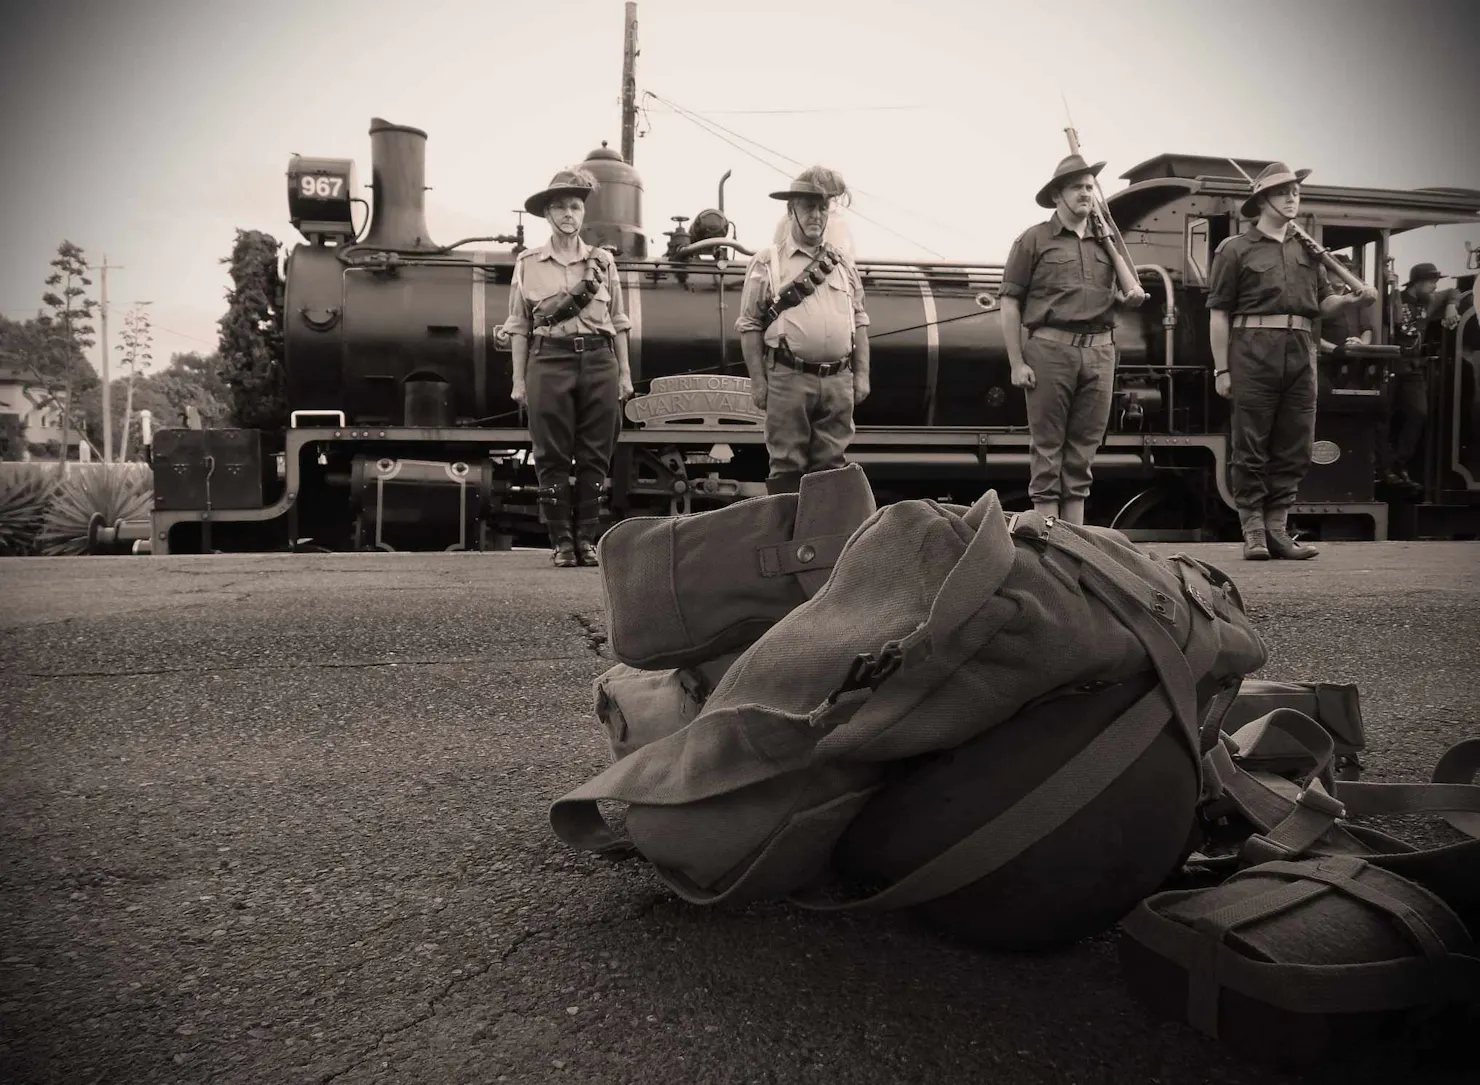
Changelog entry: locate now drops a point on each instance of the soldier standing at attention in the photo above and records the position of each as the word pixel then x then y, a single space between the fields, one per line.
pixel 1059 284
pixel 802 329
pixel 568 331
pixel 1266 290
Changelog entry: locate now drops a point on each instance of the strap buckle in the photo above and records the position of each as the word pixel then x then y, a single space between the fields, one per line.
pixel 1318 800
pixel 868 669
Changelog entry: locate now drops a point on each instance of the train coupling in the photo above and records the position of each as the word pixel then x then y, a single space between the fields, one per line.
pixel 124 537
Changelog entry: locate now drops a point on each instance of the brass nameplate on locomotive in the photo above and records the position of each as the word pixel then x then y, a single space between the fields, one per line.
pixel 696 401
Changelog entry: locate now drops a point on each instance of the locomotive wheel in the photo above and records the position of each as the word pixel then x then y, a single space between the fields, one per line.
pixel 1166 506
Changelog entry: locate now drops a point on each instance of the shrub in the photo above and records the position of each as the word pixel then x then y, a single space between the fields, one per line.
pixel 23 501
pixel 120 491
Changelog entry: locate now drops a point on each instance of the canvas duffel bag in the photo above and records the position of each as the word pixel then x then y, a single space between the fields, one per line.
pixel 680 590
pixel 932 628
pixel 636 707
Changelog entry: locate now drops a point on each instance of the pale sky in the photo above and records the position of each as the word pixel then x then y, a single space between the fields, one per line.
pixel 148 130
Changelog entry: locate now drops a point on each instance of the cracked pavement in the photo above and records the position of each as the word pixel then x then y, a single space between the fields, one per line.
pixel 282 818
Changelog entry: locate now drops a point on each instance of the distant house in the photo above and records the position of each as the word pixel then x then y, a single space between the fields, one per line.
pixel 26 405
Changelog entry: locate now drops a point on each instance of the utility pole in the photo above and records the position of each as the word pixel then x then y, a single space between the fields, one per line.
pixel 107 399
pixel 629 82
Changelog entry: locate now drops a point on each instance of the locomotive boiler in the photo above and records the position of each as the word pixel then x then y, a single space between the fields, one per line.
pixel 401 432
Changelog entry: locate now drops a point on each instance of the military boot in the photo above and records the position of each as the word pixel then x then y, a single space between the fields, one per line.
pixel 555 512
pixel 1280 543
pixel 587 532
pixel 1073 510
pixel 588 520
pixel 1256 546
pixel 564 556
pixel 788 482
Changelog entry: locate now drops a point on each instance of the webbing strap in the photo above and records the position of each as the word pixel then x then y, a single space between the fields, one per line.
pixel 1308 735
pixel 1079 780
pixel 1461 765
pixel 1213 964
pixel 1291 826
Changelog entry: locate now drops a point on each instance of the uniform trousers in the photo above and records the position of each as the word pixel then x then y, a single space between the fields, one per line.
pixel 574 414
pixel 1402 428
pixel 1068 410
pixel 1273 389
pixel 809 422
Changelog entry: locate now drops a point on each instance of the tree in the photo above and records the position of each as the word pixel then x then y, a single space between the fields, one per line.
pixel 188 381
pixel 252 333
pixel 137 339
pixel 41 357
pixel 71 311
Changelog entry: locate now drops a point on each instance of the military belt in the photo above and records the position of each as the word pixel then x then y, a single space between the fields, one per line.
pixel 576 344
pixel 1073 339
pixel 819 369
pixel 1274 320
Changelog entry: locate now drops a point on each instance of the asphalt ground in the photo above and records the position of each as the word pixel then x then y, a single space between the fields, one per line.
pixel 282 818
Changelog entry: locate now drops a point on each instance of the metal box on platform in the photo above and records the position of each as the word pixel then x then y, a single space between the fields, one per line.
pixel 211 469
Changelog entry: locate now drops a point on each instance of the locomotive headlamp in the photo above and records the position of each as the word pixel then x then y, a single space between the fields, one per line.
pixel 319 195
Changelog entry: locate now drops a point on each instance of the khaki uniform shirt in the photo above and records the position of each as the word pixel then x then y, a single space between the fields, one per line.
pixel 540 274
pixel 1060 279
pixel 1253 274
pixel 821 328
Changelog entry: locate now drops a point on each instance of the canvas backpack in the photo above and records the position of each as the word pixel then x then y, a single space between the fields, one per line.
pixel 935 625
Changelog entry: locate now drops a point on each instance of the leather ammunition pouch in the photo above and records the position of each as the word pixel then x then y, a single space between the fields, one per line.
pixel 803 286
pixel 561 307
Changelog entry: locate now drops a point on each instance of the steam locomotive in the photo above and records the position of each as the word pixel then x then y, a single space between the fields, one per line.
pixel 401 433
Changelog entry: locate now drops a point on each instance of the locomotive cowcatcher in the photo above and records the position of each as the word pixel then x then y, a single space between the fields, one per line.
pixel 401 433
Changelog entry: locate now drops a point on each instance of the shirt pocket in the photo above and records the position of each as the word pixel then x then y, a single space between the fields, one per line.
pixel 1102 270
pixel 1263 261
pixel 1059 268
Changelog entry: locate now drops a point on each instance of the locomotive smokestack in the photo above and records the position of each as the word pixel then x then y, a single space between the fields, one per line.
pixel 398 157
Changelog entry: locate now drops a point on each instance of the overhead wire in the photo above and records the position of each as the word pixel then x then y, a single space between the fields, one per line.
pixel 704 123
pixel 819 109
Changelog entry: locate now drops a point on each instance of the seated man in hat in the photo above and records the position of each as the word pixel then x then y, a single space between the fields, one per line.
pixel 1266 291
pixel 803 331
pixel 568 330
pixel 1059 284
pixel 1418 311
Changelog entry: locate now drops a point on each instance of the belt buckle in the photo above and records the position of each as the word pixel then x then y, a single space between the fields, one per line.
pixel 827 369
pixel 578 343
pixel 1081 339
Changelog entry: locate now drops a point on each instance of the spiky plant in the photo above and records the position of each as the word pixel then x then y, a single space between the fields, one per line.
pixel 120 491
pixel 23 503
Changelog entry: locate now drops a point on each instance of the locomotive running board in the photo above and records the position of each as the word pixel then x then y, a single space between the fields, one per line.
pixel 988 446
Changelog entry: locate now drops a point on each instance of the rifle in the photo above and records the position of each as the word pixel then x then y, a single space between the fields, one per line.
pixel 1333 265
pixel 1105 230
